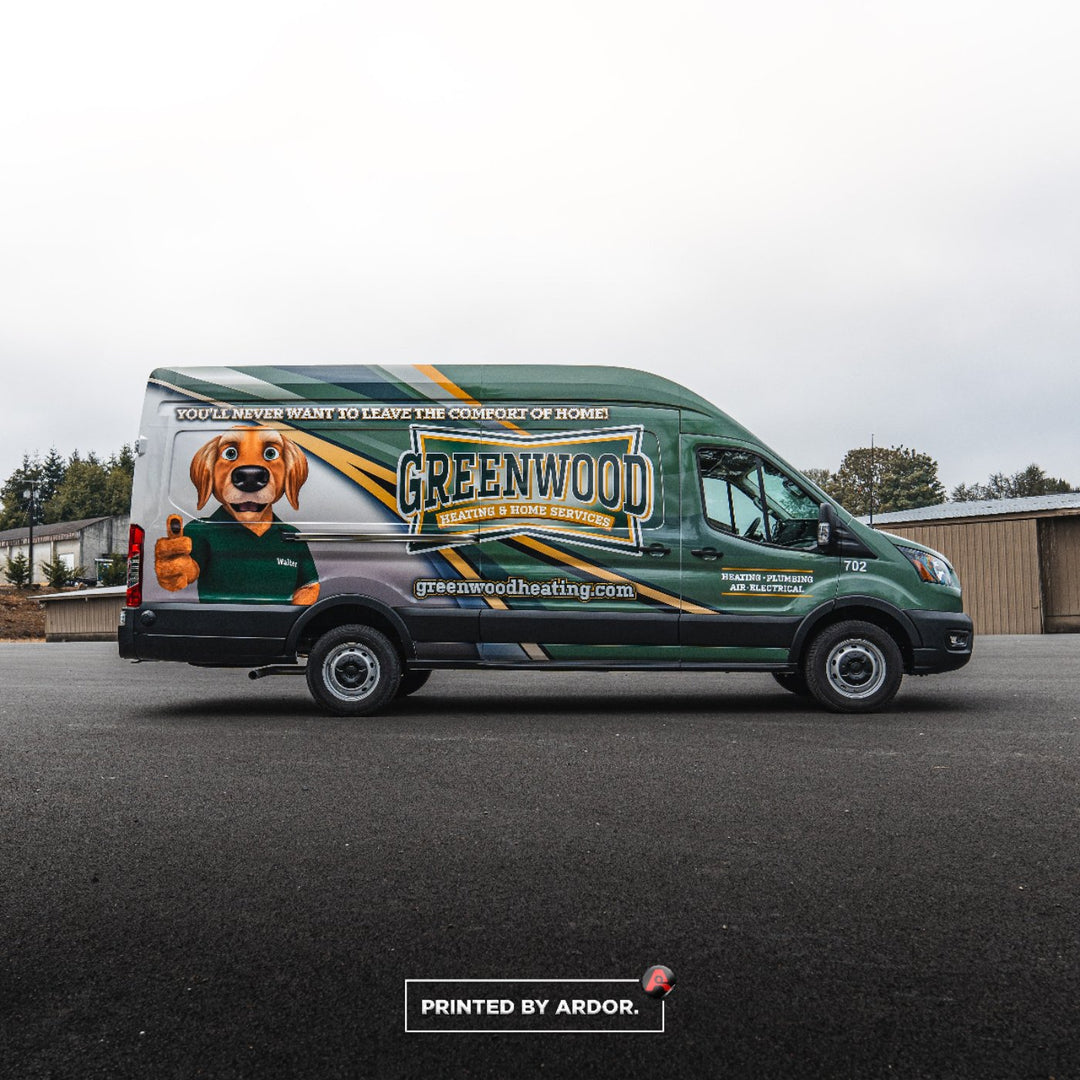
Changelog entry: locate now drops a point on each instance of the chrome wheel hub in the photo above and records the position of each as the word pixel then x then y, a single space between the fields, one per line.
pixel 351 671
pixel 855 668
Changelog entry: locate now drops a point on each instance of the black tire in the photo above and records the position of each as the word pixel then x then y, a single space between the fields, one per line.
pixel 853 667
pixel 794 682
pixel 353 670
pixel 411 681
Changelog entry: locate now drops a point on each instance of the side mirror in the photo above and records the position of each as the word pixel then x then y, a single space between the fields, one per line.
pixel 826 528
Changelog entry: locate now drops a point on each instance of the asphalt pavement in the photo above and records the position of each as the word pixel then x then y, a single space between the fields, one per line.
pixel 201 876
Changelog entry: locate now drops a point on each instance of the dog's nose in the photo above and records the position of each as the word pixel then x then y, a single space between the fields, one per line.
pixel 250 478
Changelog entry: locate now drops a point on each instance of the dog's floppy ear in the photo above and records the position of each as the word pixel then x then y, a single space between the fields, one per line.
pixel 202 470
pixel 296 470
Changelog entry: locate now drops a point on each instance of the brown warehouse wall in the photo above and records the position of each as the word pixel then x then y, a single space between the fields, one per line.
pixel 1059 542
pixel 998 564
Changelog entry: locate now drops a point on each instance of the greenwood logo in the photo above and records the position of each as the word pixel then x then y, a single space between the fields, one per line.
pixel 595 487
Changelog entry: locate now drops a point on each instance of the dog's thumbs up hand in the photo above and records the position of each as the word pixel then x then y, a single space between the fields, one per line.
pixel 175 543
pixel 173 564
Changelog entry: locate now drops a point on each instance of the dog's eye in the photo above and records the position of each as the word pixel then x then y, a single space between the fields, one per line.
pixel 271 453
pixel 230 453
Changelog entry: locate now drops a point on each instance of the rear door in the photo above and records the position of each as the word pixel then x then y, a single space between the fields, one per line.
pixel 751 568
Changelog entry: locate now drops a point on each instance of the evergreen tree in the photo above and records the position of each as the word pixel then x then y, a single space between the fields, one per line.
pixel 17 571
pixel 68 490
pixel 121 469
pixel 909 479
pixel 116 572
pixel 966 493
pixel 16 511
pixel 1027 482
pixel 820 477
pixel 82 493
pixel 58 573
pixel 53 469
pixel 884 479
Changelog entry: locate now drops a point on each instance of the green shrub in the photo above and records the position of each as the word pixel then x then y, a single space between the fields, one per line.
pixel 115 573
pixel 17 571
pixel 58 573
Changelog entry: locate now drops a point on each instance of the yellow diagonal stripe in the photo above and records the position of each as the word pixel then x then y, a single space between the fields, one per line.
pixel 360 469
pixel 466 571
pixel 608 575
pixel 436 376
pixel 531 650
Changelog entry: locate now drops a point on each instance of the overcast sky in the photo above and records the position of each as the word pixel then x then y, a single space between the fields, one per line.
pixel 831 219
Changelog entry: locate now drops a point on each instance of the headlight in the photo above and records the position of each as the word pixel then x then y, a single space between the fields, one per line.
pixel 929 567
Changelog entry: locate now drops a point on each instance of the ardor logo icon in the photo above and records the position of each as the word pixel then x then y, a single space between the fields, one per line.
pixel 593 487
pixel 658 981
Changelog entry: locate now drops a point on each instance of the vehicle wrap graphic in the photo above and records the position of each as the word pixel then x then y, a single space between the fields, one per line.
pixel 791 583
pixel 500 515
pixel 524 588
pixel 548 498
pixel 595 487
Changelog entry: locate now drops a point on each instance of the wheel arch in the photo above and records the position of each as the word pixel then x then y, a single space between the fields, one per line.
pixel 869 609
pixel 344 609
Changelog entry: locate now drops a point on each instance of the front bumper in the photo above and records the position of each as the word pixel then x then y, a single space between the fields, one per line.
pixel 946 639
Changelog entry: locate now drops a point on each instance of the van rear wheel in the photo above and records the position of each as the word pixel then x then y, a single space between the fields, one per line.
pixel 353 670
pixel 854 667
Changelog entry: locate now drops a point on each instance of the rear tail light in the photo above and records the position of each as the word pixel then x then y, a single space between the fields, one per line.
pixel 136 536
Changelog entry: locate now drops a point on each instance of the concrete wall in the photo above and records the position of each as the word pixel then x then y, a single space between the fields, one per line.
pixel 102 538
pixel 46 549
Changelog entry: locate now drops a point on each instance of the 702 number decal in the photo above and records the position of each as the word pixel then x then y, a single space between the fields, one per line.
pixel 858 566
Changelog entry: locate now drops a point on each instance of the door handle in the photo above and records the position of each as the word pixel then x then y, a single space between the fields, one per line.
pixel 709 553
pixel 656 549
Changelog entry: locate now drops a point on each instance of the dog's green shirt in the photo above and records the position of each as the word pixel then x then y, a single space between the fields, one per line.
pixel 236 565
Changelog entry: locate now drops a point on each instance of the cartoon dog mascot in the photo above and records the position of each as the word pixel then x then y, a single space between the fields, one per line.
pixel 241 552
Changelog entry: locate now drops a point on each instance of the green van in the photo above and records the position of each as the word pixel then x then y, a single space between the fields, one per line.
pixel 368 525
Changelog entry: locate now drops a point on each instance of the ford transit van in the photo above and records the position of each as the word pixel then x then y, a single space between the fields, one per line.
pixel 369 525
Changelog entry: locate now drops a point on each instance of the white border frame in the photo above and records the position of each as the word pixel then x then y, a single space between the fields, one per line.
pixel 532 1031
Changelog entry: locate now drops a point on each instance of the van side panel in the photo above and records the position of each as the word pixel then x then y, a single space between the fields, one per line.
pixel 533 531
pixel 482 515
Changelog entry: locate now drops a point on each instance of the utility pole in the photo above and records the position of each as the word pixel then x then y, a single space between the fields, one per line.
pixel 871 479
pixel 28 493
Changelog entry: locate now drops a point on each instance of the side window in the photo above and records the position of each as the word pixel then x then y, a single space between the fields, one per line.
pixel 792 512
pixel 728 484
pixel 749 497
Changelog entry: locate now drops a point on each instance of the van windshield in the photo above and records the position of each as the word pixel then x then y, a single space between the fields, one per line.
pixel 747 496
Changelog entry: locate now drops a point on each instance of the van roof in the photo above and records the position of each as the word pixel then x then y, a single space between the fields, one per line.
pixel 481 383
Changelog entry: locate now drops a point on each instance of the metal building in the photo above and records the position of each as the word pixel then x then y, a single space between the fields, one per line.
pixel 87 542
pixel 1018 559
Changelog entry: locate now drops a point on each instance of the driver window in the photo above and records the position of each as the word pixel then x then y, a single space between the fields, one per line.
pixel 749 497
pixel 731 490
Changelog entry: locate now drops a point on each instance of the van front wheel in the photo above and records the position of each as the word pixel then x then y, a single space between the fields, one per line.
pixel 353 670
pixel 854 667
